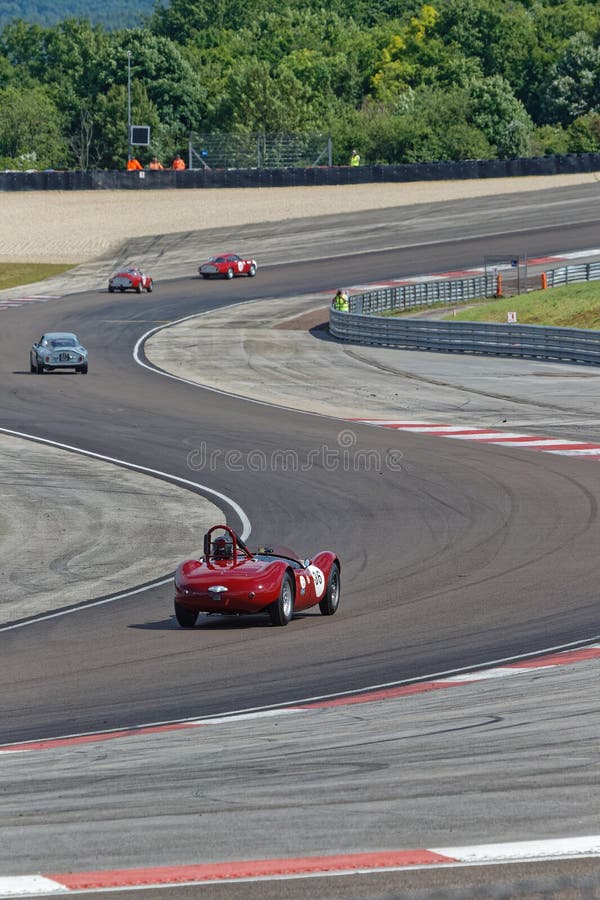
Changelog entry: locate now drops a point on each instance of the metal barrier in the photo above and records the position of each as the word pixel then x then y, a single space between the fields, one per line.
pixel 423 293
pixel 573 274
pixel 365 324
pixel 575 345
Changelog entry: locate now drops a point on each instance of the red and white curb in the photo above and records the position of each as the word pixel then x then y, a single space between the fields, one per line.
pixel 557 446
pixel 470 273
pixel 297 867
pixel 22 301
pixel 376 694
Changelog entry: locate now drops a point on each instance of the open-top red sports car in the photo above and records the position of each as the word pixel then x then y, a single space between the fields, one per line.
pixel 231 579
pixel 227 265
pixel 130 279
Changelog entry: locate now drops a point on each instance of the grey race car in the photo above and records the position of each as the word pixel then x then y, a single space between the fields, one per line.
pixel 58 350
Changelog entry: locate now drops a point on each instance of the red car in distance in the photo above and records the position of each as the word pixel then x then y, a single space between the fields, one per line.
pixel 230 579
pixel 227 265
pixel 130 279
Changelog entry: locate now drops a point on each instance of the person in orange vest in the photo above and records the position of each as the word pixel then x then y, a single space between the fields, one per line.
pixel 133 164
pixel 178 163
pixel 155 164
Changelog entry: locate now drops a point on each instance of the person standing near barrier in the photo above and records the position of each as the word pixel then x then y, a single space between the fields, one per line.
pixel 155 164
pixel 340 301
pixel 134 165
pixel 178 163
pixel 355 158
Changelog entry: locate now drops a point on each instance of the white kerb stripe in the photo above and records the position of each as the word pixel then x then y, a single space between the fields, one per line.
pixel 29 886
pixel 581 846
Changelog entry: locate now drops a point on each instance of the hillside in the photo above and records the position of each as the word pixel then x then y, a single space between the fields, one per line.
pixel 110 13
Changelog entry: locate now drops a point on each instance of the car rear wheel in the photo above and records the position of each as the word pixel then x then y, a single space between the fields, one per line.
pixel 111 289
pixel 186 617
pixel 331 600
pixel 252 271
pixel 229 273
pixel 149 288
pixel 32 367
pixel 282 610
pixel 204 275
pixel 39 368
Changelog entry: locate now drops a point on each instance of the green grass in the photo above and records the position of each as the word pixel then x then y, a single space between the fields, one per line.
pixel 573 306
pixel 16 274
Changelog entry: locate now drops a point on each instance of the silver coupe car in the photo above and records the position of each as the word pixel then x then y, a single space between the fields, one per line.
pixel 58 350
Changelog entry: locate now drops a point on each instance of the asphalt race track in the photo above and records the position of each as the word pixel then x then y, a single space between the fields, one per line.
pixel 461 556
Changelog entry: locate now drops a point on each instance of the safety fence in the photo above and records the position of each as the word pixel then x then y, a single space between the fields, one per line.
pixel 575 345
pixel 423 293
pixel 296 176
pixel 367 322
pixel 258 150
pixel 573 274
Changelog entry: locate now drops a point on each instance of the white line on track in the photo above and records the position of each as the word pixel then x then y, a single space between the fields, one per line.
pixel 246 526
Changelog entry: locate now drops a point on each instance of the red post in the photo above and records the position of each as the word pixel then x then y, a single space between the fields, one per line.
pixel 544 281
pixel 499 286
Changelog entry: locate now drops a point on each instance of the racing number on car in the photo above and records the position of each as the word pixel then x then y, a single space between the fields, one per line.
pixel 319 580
pixel 240 265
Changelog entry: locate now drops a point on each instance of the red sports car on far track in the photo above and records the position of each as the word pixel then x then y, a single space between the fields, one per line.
pixel 231 579
pixel 130 279
pixel 227 265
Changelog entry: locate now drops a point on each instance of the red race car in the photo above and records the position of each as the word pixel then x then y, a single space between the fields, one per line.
pixel 230 579
pixel 227 265
pixel 130 279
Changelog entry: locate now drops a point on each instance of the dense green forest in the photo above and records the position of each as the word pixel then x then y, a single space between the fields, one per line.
pixel 401 81
pixel 109 13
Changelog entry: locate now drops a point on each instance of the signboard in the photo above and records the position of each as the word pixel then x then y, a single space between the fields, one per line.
pixel 139 135
pixel 511 318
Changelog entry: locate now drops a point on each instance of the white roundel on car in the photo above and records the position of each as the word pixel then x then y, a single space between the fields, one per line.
pixel 319 580
pixel 240 265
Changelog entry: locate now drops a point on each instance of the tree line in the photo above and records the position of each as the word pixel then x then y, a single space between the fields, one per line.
pixel 400 81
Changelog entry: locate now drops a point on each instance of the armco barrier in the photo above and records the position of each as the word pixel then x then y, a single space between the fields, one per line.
pixel 573 274
pixel 424 293
pixel 298 177
pixel 574 345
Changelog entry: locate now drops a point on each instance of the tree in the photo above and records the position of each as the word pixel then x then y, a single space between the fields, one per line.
pixel 583 134
pixel 30 129
pixel 500 116
pixel 574 84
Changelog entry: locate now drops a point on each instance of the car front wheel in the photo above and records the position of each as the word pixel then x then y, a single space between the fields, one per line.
pixel 150 287
pixel 84 369
pixel 229 273
pixel 282 610
pixel 186 617
pixel 331 600
pixel 39 368
pixel 138 288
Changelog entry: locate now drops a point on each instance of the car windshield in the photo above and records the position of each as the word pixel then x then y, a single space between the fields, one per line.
pixel 62 342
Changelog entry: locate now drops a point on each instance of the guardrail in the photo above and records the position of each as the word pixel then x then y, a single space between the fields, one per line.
pixel 575 345
pixel 423 293
pixel 573 274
